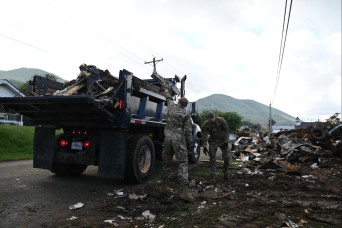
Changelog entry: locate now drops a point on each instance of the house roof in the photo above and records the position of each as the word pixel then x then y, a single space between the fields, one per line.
pixel 305 125
pixel 10 89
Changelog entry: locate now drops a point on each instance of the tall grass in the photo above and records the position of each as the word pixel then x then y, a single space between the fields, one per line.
pixel 16 142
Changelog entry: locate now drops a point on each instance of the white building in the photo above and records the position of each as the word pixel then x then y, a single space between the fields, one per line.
pixel 277 128
pixel 7 89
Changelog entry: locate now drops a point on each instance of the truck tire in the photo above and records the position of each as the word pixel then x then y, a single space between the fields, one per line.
pixel 140 159
pixel 194 155
pixel 318 133
pixel 68 169
pixel 158 150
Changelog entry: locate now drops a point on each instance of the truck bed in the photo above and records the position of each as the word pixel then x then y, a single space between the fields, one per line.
pixel 76 110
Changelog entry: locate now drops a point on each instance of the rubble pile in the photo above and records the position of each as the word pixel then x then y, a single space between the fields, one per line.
pixel 290 150
pixel 245 132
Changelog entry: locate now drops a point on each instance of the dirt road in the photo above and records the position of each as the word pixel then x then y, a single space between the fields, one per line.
pixel 251 198
pixel 35 197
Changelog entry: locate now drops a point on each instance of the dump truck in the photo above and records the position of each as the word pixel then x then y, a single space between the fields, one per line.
pixel 114 123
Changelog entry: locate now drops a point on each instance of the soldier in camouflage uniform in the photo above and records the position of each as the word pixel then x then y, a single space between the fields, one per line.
pixel 215 132
pixel 177 139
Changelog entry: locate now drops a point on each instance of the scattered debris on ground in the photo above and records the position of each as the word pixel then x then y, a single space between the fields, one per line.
pixel 251 198
pixel 274 193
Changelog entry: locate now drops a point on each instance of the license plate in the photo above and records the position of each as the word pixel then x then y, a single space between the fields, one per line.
pixel 76 145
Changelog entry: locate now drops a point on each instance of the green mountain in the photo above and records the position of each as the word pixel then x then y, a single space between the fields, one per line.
pixel 22 75
pixel 249 110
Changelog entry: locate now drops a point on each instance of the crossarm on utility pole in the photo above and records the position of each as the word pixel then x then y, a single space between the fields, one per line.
pixel 165 83
pixel 154 61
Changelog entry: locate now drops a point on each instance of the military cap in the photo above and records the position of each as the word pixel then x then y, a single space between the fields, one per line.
pixel 183 102
pixel 210 115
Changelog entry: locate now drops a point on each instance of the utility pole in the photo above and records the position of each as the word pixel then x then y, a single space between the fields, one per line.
pixel 154 61
pixel 270 121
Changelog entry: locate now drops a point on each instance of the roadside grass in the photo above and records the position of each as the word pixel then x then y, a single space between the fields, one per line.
pixel 16 142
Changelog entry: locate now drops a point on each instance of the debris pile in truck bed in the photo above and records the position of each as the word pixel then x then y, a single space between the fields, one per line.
pixel 91 81
pixel 44 85
pixel 99 84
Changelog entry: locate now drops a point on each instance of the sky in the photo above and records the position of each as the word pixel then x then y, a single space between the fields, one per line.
pixel 229 47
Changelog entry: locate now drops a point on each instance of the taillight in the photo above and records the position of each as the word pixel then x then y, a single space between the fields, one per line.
pixel 63 143
pixel 120 104
pixel 86 144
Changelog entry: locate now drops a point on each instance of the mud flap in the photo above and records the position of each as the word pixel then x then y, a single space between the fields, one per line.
pixel 44 147
pixel 112 154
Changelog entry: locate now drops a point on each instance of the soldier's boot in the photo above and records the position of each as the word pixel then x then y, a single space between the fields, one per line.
pixel 225 169
pixel 165 189
pixel 185 195
pixel 212 179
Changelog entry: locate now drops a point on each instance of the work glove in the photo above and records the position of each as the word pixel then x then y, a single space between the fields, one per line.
pixel 189 148
pixel 206 149
pixel 167 91
pixel 224 145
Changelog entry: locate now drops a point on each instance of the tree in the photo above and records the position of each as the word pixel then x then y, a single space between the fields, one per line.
pixel 25 88
pixel 257 128
pixel 51 77
pixel 233 120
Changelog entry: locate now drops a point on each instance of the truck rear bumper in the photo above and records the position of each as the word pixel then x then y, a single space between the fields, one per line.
pixel 81 157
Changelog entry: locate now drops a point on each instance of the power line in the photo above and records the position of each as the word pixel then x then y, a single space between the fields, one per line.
pixel 133 39
pixel 109 42
pixel 282 47
pixel 281 43
pixel 30 45
pixel 147 49
pixel 130 55
pixel 287 27
pixel 143 46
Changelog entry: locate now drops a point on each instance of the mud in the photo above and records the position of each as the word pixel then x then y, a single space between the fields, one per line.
pixel 250 198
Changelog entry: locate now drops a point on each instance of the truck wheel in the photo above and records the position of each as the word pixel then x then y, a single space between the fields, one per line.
pixel 318 134
pixel 140 159
pixel 194 155
pixel 68 169
pixel 158 150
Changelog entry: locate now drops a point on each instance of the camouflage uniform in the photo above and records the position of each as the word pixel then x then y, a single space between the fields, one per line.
pixel 217 132
pixel 177 136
